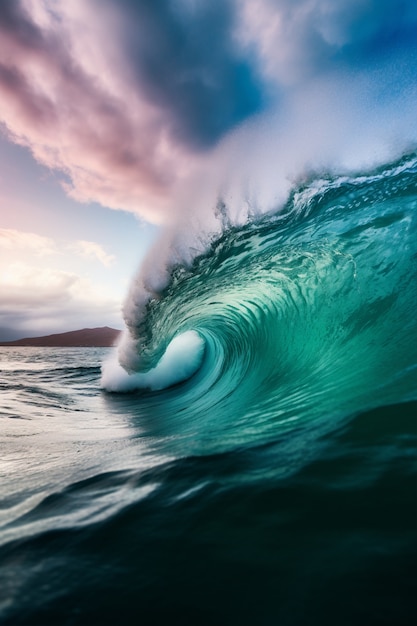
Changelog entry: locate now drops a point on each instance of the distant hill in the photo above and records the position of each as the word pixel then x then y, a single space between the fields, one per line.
pixel 87 337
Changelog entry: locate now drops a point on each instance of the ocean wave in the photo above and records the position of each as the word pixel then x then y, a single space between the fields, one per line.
pixel 301 314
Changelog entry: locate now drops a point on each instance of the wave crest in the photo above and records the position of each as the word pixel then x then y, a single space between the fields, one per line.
pixel 298 315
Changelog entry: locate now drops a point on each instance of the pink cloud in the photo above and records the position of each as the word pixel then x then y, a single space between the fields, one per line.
pixel 13 240
pixel 112 147
pixel 134 102
pixel 93 250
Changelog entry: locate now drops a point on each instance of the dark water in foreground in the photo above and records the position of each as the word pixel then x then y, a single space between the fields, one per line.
pixel 99 528
pixel 277 485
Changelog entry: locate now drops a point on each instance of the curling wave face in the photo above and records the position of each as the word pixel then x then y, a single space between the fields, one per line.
pixel 308 314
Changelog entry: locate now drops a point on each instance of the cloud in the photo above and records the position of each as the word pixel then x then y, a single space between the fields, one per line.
pixel 134 100
pixel 121 121
pixel 184 61
pixel 24 285
pixel 69 117
pixel 11 239
pixel 17 241
pixel 43 300
pixel 39 295
pixel 93 250
pixel 297 41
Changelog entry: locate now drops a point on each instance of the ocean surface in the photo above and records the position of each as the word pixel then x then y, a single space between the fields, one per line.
pixel 260 468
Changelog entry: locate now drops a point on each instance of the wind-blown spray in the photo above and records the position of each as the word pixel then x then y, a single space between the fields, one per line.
pixel 328 109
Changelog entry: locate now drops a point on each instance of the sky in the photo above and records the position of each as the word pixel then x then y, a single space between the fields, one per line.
pixel 123 122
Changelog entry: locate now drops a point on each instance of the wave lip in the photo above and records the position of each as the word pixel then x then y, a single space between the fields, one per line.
pixel 295 319
pixel 180 361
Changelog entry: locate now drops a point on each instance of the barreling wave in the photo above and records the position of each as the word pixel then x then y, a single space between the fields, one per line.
pixel 303 314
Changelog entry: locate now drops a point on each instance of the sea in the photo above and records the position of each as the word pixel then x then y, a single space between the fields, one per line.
pixel 262 474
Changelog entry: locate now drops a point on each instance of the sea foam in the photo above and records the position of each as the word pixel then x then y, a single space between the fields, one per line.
pixel 181 360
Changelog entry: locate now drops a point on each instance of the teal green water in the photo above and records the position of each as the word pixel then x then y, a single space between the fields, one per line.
pixel 307 315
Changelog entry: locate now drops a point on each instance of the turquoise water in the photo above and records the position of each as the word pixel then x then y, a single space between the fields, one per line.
pixel 306 316
pixel 276 483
